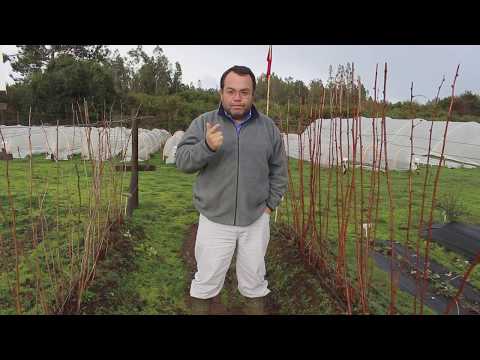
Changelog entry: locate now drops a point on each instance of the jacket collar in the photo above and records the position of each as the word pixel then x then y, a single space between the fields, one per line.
pixel 221 112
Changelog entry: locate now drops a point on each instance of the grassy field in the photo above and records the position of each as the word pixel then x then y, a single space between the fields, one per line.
pixel 143 271
pixel 58 213
pixel 157 279
pixel 468 199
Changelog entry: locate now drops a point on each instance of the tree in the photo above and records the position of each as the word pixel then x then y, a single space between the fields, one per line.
pixel 153 75
pixel 331 80
pixel 468 103
pixel 71 80
pixel 316 90
pixel 29 60
pixel 162 71
pixel 176 85
pixel 32 59
pixel 122 75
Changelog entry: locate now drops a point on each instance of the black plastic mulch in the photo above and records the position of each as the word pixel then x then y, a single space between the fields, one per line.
pixel 460 238
pixel 407 280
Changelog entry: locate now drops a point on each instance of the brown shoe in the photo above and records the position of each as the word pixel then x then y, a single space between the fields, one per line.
pixel 255 306
pixel 200 306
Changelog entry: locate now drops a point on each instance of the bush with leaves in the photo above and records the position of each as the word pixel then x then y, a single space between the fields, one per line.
pixel 452 208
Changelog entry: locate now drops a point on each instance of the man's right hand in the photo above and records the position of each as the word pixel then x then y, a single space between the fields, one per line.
pixel 214 136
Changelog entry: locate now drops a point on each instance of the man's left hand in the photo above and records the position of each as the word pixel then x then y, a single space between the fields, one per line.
pixel 268 211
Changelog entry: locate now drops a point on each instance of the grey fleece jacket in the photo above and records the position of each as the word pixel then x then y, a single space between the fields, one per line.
pixel 246 174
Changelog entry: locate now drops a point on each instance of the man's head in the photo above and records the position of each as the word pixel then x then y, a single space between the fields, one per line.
pixel 237 89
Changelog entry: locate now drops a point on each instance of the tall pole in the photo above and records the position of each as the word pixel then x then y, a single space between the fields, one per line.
pixel 135 162
pixel 268 93
pixel 269 64
pixel 133 200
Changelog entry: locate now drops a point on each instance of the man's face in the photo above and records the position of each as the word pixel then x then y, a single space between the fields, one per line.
pixel 237 94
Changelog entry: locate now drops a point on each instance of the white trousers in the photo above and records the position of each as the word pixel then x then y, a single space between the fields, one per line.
pixel 214 250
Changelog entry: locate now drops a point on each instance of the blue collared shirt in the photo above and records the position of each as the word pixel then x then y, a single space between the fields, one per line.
pixel 238 124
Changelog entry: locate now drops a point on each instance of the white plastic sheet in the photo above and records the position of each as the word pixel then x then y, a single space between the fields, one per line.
pixel 170 148
pixel 462 147
pixel 90 142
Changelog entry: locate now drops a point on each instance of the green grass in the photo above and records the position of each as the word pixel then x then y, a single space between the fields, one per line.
pixel 467 194
pixel 144 273
pixel 64 212
pixel 165 211
pixel 160 282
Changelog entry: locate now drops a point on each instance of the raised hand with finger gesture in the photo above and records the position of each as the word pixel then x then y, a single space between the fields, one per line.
pixel 214 136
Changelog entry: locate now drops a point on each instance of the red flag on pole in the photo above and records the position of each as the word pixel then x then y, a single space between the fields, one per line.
pixel 269 61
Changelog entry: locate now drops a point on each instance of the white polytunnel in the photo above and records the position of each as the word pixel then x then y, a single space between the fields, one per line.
pixel 63 142
pixel 462 146
pixel 170 148
pixel 104 143
pixel 149 142
pixel 42 139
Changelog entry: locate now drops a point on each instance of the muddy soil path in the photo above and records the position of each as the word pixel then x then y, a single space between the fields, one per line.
pixel 229 301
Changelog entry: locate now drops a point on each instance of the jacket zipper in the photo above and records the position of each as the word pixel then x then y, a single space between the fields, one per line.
pixel 238 170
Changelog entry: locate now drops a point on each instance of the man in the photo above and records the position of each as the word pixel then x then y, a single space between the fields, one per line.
pixel 242 176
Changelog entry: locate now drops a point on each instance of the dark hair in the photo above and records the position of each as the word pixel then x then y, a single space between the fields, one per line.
pixel 239 70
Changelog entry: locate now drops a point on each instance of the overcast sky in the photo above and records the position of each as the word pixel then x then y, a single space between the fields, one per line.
pixel 425 65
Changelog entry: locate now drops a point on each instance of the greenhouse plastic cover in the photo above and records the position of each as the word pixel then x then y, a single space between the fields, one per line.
pixel 462 147
pixel 90 142
pixel 3 74
pixel 170 148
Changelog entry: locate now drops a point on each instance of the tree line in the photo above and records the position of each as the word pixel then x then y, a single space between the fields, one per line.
pixel 54 81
